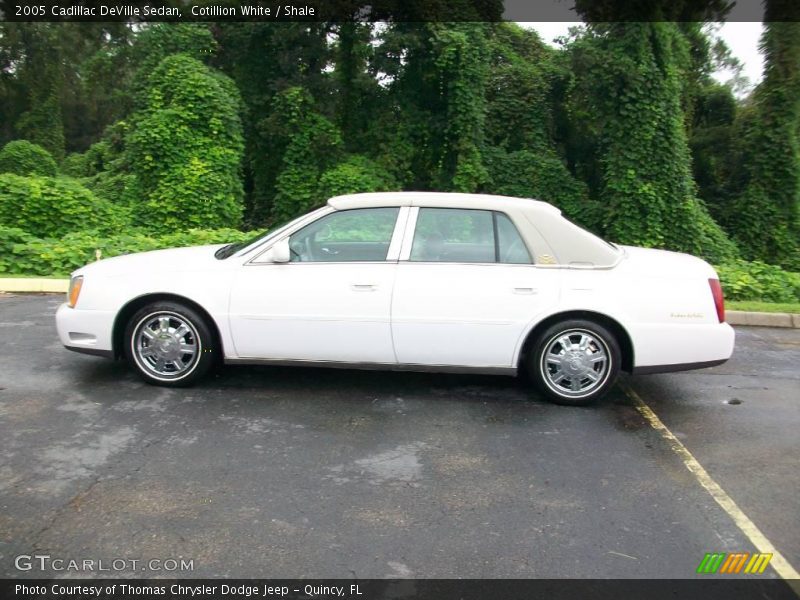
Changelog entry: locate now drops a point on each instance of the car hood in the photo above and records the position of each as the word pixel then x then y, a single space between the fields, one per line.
pixel 663 263
pixel 194 258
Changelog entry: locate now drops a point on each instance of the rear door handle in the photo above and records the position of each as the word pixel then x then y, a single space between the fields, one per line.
pixel 525 290
pixel 364 287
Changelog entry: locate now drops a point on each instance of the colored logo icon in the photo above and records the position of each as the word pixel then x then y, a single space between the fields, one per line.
pixel 734 563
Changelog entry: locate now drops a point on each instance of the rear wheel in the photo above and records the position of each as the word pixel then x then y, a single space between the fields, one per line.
pixel 169 344
pixel 575 362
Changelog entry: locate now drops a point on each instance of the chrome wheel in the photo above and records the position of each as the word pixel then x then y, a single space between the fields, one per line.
pixel 166 345
pixel 575 363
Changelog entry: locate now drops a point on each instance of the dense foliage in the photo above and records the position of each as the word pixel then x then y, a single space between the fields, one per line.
pixel 765 215
pixel 756 280
pixel 48 207
pixel 163 128
pixel 24 254
pixel 630 74
pixel 23 158
pixel 185 148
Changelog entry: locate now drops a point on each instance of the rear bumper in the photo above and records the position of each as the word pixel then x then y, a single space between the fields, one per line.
pixel 85 331
pixel 670 347
pixel 679 367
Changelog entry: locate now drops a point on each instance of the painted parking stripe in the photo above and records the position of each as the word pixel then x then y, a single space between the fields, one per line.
pixel 782 566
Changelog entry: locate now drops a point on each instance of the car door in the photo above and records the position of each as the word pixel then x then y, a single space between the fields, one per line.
pixel 331 302
pixel 466 289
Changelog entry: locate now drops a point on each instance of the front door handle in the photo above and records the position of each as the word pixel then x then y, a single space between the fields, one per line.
pixel 526 290
pixel 364 287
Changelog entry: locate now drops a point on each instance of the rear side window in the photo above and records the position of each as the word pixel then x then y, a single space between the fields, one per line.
pixel 467 236
pixel 511 248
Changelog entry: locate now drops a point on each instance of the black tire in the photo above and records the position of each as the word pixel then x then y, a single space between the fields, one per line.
pixel 187 356
pixel 579 364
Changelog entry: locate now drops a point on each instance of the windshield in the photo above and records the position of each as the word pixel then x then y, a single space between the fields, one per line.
pixel 264 236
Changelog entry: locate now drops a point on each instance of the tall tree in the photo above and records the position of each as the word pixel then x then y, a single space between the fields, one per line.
pixel 41 72
pixel 765 218
pixel 264 59
pixel 630 73
pixel 185 148
pixel 437 74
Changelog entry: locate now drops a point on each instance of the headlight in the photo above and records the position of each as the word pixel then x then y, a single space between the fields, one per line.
pixel 75 285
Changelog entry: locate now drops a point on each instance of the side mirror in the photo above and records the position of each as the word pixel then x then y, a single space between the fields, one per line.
pixel 280 251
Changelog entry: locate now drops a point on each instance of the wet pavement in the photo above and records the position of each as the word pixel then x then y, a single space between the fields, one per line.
pixel 291 472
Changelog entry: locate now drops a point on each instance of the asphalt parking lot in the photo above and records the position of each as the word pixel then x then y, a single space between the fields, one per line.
pixel 279 472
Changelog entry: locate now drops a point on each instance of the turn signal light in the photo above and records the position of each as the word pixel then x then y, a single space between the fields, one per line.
pixel 75 285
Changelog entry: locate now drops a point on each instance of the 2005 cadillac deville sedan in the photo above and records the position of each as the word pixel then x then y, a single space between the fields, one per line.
pixel 407 280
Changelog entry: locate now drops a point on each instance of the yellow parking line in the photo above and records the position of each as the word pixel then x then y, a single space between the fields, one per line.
pixel 757 538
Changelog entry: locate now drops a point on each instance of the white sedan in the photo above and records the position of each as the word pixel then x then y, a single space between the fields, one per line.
pixel 408 280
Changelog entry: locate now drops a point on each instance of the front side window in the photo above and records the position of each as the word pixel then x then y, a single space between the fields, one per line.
pixel 466 236
pixel 346 236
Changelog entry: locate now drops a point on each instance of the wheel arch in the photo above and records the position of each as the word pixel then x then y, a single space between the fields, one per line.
pixel 620 333
pixel 129 309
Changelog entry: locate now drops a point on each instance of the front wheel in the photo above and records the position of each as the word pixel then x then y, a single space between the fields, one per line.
pixel 575 362
pixel 169 344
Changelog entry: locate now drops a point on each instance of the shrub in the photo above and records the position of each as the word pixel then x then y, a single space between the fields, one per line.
pixel 74 165
pixel 541 175
pixel 354 175
pixel 742 280
pixel 11 241
pixel 52 207
pixel 23 254
pixel 185 149
pixel 24 158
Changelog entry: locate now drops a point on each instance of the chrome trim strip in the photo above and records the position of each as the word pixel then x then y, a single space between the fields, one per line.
pixel 366 366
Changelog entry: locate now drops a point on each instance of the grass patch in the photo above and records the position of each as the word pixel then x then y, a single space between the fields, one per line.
pixel 769 307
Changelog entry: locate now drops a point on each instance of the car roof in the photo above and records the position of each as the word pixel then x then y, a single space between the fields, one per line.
pixel 438 199
pixel 554 239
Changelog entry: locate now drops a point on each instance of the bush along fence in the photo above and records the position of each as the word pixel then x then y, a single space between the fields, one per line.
pixel 24 254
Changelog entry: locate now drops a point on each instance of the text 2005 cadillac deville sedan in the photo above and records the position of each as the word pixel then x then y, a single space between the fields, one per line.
pixel 407 280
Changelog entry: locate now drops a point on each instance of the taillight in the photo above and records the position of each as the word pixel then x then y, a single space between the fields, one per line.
pixel 719 300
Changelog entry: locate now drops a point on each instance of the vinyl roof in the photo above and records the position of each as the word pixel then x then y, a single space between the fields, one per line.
pixel 438 199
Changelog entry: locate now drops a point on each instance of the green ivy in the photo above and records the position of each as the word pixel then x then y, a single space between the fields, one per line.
pixel 47 206
pixel 185 149
pixel 24 158
pixel 353 175
pixel 765 215
pixel 541 176
pixel 630 73
pixel 23 254
pixel 311 144
pixel 742 280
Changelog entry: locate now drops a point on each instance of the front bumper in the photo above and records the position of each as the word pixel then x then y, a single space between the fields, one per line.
pixel 86 331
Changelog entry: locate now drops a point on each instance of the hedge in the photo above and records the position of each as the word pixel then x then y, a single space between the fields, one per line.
pixel 23 254
pixel 24 158
pixel 742 280
pixel 52 207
